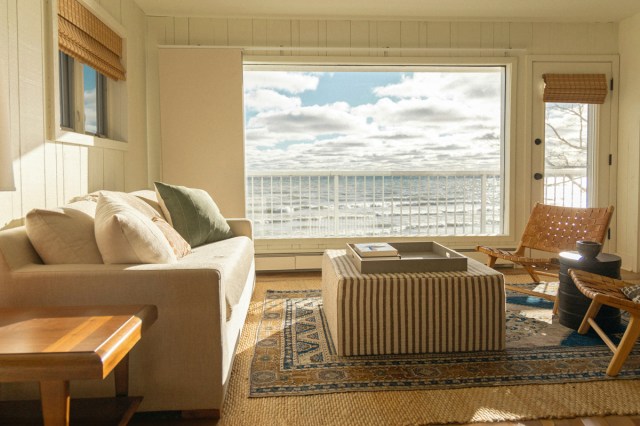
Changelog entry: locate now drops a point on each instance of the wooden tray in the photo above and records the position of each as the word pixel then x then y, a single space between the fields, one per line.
pixel 423 256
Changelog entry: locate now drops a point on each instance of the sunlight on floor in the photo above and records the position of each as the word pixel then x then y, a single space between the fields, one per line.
pixel 488 414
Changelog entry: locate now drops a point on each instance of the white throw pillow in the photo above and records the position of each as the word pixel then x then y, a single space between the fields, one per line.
pixel 180 246
pixel 64 234
pixel 125 235
pixel 139 200
pixel 149 197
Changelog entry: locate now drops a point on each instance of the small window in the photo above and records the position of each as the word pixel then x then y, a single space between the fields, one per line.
pixel 66 91
pixel 88 103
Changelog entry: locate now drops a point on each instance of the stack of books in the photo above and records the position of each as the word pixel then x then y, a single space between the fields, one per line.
pixel 376 250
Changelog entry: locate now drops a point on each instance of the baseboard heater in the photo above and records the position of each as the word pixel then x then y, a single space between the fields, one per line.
pixel 312 261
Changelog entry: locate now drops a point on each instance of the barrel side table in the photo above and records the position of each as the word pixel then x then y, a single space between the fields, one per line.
pixel 572 304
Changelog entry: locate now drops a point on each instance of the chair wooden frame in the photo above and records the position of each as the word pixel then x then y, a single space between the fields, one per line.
pixel 606 291
pixel 552 229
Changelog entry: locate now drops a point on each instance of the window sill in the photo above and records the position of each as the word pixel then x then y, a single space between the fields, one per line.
pixel 73 138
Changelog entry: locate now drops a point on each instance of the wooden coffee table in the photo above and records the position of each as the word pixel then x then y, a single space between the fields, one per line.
pixel 53 345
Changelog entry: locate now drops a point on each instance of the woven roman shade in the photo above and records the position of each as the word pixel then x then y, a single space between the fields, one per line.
pixel 86 38
pixel 575 88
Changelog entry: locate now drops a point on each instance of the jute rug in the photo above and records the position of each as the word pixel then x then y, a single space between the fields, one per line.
pixel 443 403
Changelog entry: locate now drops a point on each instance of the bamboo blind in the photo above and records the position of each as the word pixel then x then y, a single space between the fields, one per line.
pixel 86 38
pixel 575 88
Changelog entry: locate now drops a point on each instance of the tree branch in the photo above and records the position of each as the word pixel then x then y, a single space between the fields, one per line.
pixel 563 140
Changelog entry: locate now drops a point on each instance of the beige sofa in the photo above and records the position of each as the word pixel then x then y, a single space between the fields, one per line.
pixel 184 361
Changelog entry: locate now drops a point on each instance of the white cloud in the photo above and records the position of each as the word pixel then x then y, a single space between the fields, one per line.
pixel 309 122
pixel 260 137
pixel 417 112
pixel 340 155
pixel 359 152
pixel 461 86
pixel 90 112
pixel 425 122
pixel 268 100
pixel 288 82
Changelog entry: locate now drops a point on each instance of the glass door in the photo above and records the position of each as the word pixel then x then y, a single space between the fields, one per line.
pixel 568 154
pixel 571 143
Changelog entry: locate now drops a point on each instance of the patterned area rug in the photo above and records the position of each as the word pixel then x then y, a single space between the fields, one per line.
pixel 294 354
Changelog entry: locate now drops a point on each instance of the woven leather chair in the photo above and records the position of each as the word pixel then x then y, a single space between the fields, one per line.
pixel 606 291
pixel 552 229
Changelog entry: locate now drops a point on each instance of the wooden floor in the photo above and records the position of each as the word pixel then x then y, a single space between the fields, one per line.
pixel 171 419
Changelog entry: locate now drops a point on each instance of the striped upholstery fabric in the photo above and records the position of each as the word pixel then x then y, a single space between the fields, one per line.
pixel 374 314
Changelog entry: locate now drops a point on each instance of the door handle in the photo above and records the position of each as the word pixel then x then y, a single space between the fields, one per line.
pixel 538 176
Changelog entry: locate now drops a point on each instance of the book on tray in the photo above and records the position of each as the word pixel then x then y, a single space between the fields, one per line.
pixel 375 250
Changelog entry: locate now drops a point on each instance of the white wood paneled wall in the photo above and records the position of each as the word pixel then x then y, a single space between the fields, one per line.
pixel 364 38
pixel 49 173
pixel 537 38
pixel 628 208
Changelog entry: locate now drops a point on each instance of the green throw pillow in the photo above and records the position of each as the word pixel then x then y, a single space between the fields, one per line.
pixel 193 213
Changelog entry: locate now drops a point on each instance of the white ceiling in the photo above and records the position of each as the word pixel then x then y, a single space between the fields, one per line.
pixel 510 10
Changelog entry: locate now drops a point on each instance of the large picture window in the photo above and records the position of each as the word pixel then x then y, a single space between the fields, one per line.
pixel 363 151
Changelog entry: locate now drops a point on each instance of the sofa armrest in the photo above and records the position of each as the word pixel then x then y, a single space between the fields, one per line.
pixel 16 250
pixel 241 227
pixel 183 350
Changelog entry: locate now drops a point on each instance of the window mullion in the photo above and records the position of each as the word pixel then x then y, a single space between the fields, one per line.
pixel 101 103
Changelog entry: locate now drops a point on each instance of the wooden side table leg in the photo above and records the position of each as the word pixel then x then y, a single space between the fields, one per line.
pixel 55 402
pixel 121 375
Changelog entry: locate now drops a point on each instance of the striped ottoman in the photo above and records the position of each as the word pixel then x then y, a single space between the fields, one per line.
pixel 374 314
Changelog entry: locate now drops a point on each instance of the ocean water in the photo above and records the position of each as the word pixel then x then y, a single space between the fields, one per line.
pixel 311 206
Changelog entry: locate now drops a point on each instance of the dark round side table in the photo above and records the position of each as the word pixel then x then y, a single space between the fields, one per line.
pixel 572 304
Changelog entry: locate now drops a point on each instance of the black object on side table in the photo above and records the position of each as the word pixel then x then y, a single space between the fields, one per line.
pixel 572 304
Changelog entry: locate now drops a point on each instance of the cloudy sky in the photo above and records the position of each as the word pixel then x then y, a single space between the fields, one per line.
pixel 90 102
pixel 370 121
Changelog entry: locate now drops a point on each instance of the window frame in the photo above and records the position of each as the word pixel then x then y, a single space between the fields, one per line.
pixel 66 83
pixel 101 104
pixel 606 191
pixel 115 91
pixel 508 238
pixel 72 113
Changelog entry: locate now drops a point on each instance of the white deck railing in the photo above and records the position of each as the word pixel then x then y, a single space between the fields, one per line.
pixel 340 204
pixel 566 187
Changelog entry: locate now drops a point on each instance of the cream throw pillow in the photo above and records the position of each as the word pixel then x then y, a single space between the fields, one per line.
pixel 139 200
pixel 125 235
pixel 180 246
pixel 64 234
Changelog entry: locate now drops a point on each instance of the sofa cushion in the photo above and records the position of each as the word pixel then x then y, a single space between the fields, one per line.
pixel 64 234
pixel 125 235
pixel 193 213
pixel 233 258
